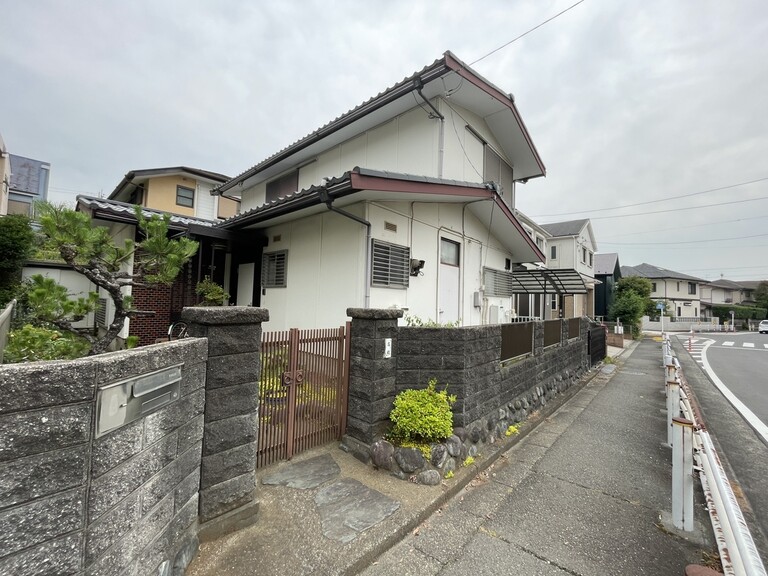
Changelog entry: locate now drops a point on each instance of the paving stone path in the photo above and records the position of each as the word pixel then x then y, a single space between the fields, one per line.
pixel 346 507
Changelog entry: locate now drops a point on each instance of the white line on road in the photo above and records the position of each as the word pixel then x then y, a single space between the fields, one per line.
pixel 749 345
pixel 728 343
pixel 748 415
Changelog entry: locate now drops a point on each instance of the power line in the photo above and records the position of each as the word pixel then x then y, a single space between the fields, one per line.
pixel 719 222
pixel 653 201
pixel 679 209
pixel 526 33
pixel 683 241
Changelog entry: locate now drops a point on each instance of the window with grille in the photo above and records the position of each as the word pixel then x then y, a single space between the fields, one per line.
pixel 497 282
pixel 274 267
pixel 101 312
pixel 391 265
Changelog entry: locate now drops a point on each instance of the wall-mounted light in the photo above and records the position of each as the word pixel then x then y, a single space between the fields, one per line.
pixel 416 266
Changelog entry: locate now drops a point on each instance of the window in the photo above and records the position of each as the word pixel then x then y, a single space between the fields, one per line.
pixel 274 269
pixel 678 286
pixel 583 255
pixel 284 186
pixel 591 256
pixel 653 286
pixel 449 252
pixel 391 264
pixel 554 302
pixel 540 243
pixel 496 169
pixel 691 287
pixel 185 196
pixel 553 252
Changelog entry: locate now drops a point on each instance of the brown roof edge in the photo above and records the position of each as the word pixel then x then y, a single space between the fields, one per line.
pixel 512 218
pixel 463 70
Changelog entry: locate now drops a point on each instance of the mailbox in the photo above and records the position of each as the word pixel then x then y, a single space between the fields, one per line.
pixel 123 402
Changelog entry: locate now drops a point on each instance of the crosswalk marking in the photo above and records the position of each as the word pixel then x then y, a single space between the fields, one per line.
pixel 728 343
pixel 749 345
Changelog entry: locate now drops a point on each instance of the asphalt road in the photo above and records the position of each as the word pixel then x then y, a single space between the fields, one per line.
pixel 742 448
pixel 741 363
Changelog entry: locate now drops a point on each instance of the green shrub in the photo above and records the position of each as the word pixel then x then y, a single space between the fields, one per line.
pixel 30 343
pixel 212 294
pixel 422 415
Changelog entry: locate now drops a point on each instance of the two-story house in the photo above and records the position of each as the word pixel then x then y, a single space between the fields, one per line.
pixel 185 194
pixel 406 201
pixel 680 292
pixel 571 246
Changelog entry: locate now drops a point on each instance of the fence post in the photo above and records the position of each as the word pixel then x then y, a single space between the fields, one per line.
pixel 228 475
pixel 682 474
pixel 673 406
pixel 372 374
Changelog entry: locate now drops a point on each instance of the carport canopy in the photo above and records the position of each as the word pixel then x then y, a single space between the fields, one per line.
pixel 538 281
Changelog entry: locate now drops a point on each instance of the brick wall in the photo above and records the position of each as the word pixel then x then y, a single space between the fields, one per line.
pixel 71 503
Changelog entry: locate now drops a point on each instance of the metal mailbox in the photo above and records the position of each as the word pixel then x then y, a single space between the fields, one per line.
pixel 122 402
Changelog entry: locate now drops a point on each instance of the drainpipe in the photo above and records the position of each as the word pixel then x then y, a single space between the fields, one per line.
pixel 328 201
pixel 436 114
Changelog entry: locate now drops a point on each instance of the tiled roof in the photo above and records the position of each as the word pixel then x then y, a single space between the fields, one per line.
pixel 126 211
pixel 651 271
pixel 569 228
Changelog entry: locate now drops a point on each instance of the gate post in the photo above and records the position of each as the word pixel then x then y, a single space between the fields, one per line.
pixel 372 371
pixel 228 474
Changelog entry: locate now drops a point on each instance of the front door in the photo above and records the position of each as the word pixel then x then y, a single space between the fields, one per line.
pixel 449 276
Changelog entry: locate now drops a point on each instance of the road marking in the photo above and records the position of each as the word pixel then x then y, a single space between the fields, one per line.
pixel 748 415
pixel 766 345
pixel 728 343
pixel 749 345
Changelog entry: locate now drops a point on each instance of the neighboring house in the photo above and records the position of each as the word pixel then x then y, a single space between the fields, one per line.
pixel 608 273
pixel 28 183
pixel 721 292
pixel 406 201
pixel 177 190
pixel 681 292
pixel 5 177
pixel 184 194
pixel 748 288
pixel 572 246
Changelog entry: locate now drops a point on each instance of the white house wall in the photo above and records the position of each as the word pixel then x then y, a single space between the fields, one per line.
pixel 325 271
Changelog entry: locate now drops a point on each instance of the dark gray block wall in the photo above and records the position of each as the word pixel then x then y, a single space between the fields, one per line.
pixel 71 503
pixel 466 360
pixel 228 476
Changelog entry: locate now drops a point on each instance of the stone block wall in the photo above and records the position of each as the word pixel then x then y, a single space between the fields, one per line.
pixel 71 503
pixel 491 395
pixel 228 476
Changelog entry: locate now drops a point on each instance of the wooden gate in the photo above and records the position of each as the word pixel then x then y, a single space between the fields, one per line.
pixel 303 391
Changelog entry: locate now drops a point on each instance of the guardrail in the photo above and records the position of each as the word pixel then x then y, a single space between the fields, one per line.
pixel 691 442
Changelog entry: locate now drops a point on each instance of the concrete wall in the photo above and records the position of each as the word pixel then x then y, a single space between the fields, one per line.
pixel 134 499
pixel 71 503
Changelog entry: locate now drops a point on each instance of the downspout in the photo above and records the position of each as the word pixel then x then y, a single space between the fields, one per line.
pixel 328 201
pixel 441 137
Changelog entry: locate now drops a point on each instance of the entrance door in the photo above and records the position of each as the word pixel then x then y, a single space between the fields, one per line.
pixel 450 272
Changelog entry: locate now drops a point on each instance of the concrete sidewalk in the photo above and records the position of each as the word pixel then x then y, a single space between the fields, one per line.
pixel 582 493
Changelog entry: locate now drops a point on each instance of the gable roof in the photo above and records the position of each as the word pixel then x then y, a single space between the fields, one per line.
pixel 127 183
pixel 569 228
pixel 365 184
pixel 447 76
pixel 605 264
pixel 651 271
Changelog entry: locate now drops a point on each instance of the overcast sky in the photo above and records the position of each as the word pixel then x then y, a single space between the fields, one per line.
pixel 627 102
